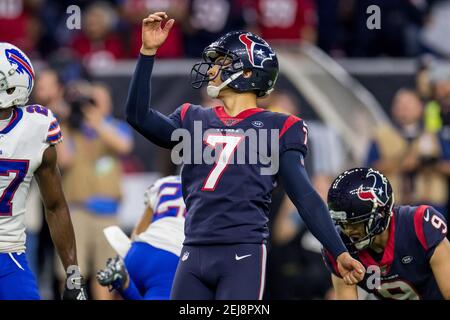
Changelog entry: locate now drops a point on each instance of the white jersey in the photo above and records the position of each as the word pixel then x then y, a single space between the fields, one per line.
pixel 22 143
pixel 167 228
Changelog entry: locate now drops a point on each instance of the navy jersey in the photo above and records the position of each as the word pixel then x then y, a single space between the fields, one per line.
pixel 228 202
pixel 405 271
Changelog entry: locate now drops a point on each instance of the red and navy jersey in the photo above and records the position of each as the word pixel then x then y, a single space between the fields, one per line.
pixel 229 203
pixel 405 271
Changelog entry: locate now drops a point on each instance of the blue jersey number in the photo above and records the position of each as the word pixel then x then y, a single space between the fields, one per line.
pixel 170 202
pixel 16 170
pixel 35 108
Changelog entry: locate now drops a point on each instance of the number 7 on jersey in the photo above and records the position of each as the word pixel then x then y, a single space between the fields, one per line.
pixel 12 174
pixel 230 144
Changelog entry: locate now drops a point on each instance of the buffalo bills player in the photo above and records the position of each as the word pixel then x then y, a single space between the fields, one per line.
pixel 151 261
pixel 224 253
pixel 28 135
pixel 403 248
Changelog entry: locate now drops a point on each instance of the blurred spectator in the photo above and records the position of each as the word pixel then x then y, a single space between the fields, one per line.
pixel 20 24
pixel 423 77
pixel 49 92
pixel 283 21
pixel 207 21
pixel 66 63
pixel 415 161
pixel 437 111
pixel 92 178
pixel 54 17
pixel 97 43
pixel 135 10
pixel 398 33
pixel 280 101
pixel 434 35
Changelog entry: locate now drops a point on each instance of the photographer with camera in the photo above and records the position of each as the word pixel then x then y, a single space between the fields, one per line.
pixel 415 160
pixel 95 141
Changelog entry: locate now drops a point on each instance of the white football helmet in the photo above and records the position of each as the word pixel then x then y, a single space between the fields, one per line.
pixel 16 76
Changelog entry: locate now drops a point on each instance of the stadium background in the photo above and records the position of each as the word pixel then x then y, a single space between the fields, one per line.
pixel 410 42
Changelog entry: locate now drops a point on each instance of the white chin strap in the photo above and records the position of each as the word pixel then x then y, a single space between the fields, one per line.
pixel 363 244
pixel 213 91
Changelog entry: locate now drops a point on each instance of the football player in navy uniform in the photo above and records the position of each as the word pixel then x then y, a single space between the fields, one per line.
pixel 224 253
pixel 403 248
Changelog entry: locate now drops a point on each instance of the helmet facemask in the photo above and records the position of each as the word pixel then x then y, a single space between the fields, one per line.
pixel 375 222
pixel 229 64
pixel 246 51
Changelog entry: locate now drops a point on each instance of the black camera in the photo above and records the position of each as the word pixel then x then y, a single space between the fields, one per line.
pixel 77 102
pixel 76 111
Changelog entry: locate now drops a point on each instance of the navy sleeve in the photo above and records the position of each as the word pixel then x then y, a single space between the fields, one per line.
pixel 308 203
pixel 294 135
pixel 152 124
pixel 330 263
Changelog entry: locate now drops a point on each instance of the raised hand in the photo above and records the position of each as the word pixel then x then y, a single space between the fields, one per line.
pixel 153 34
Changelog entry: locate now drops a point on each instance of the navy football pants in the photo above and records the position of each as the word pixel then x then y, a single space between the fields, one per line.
pixel 220 272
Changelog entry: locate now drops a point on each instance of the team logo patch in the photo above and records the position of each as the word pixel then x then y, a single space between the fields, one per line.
pixel 258 124
pixel 377 193
pixel 14 57
pixel 407 259
pixel 185 256
pixel 257 52
pixel 231 122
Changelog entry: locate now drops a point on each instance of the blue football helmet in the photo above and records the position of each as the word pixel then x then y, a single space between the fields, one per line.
pixel 361 195
pixel 240 51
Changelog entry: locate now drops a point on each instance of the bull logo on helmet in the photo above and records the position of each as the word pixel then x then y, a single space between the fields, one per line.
pixel 15 57
pixel 378 193
pixel 257 52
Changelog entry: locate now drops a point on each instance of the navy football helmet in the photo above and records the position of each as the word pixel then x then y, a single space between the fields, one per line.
pixel 240 51
pixel 361 195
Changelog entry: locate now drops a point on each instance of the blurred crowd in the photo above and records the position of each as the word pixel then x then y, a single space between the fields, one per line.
pixel 414 152
pixel 109 30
